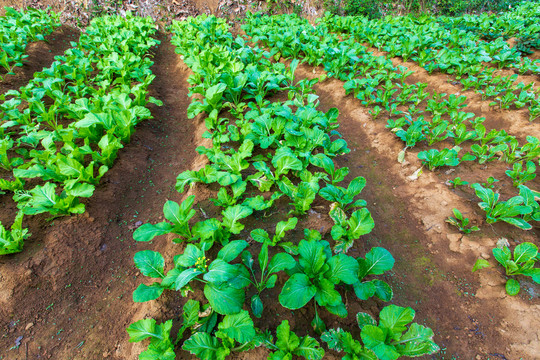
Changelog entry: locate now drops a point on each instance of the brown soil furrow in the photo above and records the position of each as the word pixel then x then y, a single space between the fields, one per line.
pixel 409 217
pixel 40 55
pixel 71 286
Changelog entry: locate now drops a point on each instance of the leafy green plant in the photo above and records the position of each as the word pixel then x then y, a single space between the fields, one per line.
pixel 288 344
pixel 434 158
pixel 318 272
pixel 344 198
pixel 519 175
pixel 13 241
pixel 389 340
pixel 490 183
pixel 507 211
pixel 348 229
pixel 462 223
pixel 522 263
pixel 268 277
pixel 457 182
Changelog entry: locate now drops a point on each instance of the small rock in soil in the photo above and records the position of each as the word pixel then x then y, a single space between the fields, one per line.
pixel 28 326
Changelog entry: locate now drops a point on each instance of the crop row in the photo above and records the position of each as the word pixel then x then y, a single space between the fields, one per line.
pixel 454 52
pixel 416 116
pixel 17 29
pixel 265 156
pixel 522 23
pixel 66 126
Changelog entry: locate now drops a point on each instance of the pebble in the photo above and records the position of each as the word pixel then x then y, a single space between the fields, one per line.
pixel 28 326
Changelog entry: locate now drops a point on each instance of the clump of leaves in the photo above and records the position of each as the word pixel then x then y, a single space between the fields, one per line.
pixel 388 340
pixel 462 223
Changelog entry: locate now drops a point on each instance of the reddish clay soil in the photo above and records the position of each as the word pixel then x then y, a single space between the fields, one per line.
pixel 68 294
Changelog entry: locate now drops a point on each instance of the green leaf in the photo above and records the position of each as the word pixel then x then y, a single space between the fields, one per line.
pixel 238 327
pixel 364 290
pixel 224 299
pixel 284 226
pixel 374 339
pixel 286 340
pixel 342 268
pixel 480 264
pixel 394 318
pixel 257 306
pixel 525 252
pixel 185 277
pixel 147 232
pixel 150 263
pixel 326 294
pixel 220 271
pixel 202 345
pixel 512 287
pixel 260 235
pixel 364 319
pixel 417 341
pixel 382 290
pixel 309 348
pixel 142 329
pixel 280 262
pixel 297 292
pixel 189 257
pixel 147 293
pixel 233 214
pixel 378 261
pixel 232 250
pixel 361 223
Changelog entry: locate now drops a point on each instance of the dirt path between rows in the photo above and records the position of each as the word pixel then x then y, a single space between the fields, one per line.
pixel 68 294
pixel 471 314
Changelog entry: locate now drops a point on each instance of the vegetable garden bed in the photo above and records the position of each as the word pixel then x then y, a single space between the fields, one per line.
pixel 299 169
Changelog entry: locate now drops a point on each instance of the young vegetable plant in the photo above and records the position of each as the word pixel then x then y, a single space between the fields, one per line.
pixel 344 198
pixel 434 158
pixel 224 282
pixel 462 223
pixel 520 175
pixel 282 227
pixel 522 263
pixel 457 182
pixel 318 272
pixel 507 211
pixel 268 277
pixel 288 344
pixel 13 241
pixel 388 340
pixel 348 229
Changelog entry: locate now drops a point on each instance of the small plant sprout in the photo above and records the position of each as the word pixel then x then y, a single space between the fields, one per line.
pixel 462 223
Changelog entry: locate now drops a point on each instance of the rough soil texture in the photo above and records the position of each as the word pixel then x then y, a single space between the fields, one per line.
pixel 68 294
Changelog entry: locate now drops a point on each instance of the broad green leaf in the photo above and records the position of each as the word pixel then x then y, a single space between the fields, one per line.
pixel 147 232
pixel 145 293
pixel 374 339
pixel 343 268
pixel 364 319
pixel 284 226
pixel 142 329
pixel 297 292
pixel 394 318
pixel 233 214
pixel 480 264
pixel 190 256
pixel 360 223
pixel 220 271
pixel 150 263
pixel 382 290
pixel 203 345
pixel 280 262
pixel 378 261
pixel 417 341
pixel 512 287
pixel 185 277
pixel 364 290
pixel 286 340
pixel 326 294
pixel 232 250
pixel 224 299
pixel 257 306
pixel 309 348
pixel 238 327
pixel 525 252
